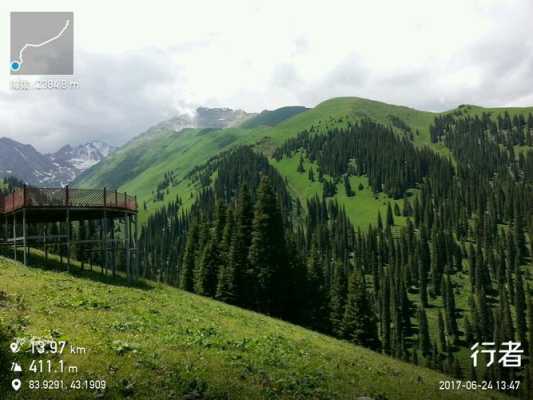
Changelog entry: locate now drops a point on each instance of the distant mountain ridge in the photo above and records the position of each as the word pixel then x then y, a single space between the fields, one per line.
pixel 167 140
pixel 54 169
pixel 272 118
pixel 83 156
pixel 202 118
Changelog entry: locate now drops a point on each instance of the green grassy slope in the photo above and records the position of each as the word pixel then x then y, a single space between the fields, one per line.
pixel 355 108
pixel 158 342
pixel 477 110
pixel 273 118
pixel 362 208
pixel 139 166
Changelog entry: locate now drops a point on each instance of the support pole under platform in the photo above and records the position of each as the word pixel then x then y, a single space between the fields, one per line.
pixel 128 246
pixel 15 236
pixel 24 234
pixel 54 220
pixel 136 249
pixel 68 238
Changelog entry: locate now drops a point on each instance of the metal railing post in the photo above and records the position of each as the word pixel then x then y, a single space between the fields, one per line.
pixel 128 245
pixel 24 235
pixel 68 238
pixel 15 236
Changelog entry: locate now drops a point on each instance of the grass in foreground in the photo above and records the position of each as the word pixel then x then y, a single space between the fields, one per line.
pixel 157 342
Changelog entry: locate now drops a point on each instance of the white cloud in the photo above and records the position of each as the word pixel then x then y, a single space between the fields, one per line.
pixel 138 63
pixel 118 95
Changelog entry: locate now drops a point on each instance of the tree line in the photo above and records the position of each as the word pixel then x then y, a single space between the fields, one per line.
pixel 467 235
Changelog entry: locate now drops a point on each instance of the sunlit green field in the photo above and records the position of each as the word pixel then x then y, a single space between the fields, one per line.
pixel 157 342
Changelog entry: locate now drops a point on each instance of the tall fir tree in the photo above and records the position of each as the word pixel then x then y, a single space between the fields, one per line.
pixel 520 310
pixel 226 278
pixel 189 258
pixel 239 269
pixel 205 279
pixel 424 341
pixel 359 322
pixel 337 298
pixel 268 255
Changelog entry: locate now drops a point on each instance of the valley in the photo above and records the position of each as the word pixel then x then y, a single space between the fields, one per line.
pixel 403 231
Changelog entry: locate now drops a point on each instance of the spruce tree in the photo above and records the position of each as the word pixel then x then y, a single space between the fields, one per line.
pixel 380 221
pixel 311 174
pixel 469 334
pixel 337 299
pixel 300 169
pixel 316 309
pixel 443 347
pixel 225 282
pixel 390 216
pixel 472 267
pixel 386 316
pixel 205 279
pixel 220 220
pixel 268 256
pixel 359 322
pixel 436 262
pixel 422 285
pixel 348 186
pixel 189 259
pixel 519 235
pixel 484 317
pixel 448 298
pixel 397 210
pixel 505 319
pixel 530 329
pixel 424 341
pixel 239 270
pixel 520 310
pixel 407 208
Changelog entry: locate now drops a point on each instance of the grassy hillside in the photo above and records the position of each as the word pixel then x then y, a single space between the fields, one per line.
pixel 362 208
pixel 355 108
pixel 180 152
pixel 140 166
pixel 153 341
pixel 273 118
pixel 477 110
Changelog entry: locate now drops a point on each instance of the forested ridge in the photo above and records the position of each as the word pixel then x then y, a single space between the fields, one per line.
pixel 447 265
pixel 455 273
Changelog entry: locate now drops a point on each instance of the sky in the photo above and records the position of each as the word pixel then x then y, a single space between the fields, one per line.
pixel 139 63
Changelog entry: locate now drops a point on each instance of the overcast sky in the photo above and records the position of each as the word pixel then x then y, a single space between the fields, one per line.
pixel 141 62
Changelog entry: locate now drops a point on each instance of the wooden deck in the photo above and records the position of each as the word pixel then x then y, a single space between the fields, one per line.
pixel 26 213
pixel 66 198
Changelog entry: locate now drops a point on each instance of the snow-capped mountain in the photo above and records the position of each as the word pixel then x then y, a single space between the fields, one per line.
pixel 56 169
pixel 202 117
pixel 83 156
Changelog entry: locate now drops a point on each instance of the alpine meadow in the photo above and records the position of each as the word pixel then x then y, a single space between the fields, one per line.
pixel 266 200
pixel 355 244
pixel 402 231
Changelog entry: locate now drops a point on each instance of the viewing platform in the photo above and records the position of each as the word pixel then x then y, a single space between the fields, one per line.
pixel 100 224
pixel 50 204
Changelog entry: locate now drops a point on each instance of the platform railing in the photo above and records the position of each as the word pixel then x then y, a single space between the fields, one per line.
pixel 66 197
